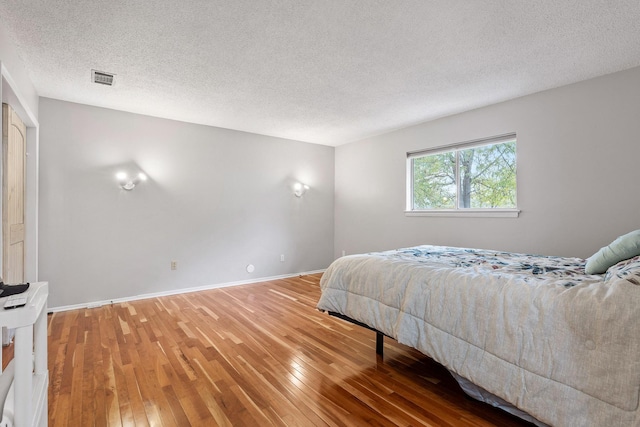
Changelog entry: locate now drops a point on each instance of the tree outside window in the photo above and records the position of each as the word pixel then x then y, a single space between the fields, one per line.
pixel 478 177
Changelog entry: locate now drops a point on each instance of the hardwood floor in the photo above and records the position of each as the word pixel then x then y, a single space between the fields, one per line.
pixel 252 355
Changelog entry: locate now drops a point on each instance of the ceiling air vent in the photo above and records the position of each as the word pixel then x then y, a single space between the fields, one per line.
pixel 102 78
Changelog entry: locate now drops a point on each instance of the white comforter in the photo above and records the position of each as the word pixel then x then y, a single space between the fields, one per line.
pixel 535 331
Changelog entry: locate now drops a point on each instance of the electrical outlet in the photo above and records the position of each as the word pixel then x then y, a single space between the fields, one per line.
pixel 282 258
pixel 343 252
pixel 174 265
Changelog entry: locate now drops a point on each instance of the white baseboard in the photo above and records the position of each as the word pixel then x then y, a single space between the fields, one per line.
pixel 94 304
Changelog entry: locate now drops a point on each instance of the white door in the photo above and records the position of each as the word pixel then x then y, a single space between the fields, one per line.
pixel 14 145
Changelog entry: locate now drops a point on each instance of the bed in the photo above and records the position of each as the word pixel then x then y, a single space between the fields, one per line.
pixel 534 335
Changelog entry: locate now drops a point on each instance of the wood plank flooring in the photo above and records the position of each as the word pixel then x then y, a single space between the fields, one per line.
pixel 252 355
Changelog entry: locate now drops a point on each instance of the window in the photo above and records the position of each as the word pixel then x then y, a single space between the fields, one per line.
pixel 477 177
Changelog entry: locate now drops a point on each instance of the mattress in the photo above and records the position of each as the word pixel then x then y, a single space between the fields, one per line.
pixel 535 331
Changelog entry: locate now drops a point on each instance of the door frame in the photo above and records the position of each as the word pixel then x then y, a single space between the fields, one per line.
pixel 10 94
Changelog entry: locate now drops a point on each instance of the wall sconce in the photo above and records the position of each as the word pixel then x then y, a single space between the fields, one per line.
pixel 299 189
pixel 129 184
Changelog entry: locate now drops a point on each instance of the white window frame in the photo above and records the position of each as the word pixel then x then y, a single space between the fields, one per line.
pixel 457 211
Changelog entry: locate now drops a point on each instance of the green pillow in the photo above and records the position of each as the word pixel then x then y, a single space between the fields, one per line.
pixel 624 247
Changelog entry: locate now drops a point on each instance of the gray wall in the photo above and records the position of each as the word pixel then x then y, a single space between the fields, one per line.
pixel 216 200
pixel 578 174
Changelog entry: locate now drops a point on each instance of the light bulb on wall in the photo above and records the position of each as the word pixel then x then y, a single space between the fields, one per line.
pixel 129 184
pixel 299 189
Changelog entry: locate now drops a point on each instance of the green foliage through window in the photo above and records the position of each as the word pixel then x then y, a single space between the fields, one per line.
pixel 479 177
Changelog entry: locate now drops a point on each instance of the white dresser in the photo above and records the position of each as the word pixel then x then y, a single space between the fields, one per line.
pixel 26 402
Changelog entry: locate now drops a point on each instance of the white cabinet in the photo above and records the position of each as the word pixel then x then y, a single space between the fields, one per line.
pixel 26 405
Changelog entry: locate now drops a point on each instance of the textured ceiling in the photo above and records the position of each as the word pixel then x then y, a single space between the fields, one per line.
pixel 322 71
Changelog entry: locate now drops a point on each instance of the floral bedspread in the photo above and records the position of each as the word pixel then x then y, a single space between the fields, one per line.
pixel 569 271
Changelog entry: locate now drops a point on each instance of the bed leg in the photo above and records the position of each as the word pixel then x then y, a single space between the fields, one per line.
pixel 379 343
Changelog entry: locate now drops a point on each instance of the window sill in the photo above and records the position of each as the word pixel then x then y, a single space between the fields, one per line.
pixel 467 213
